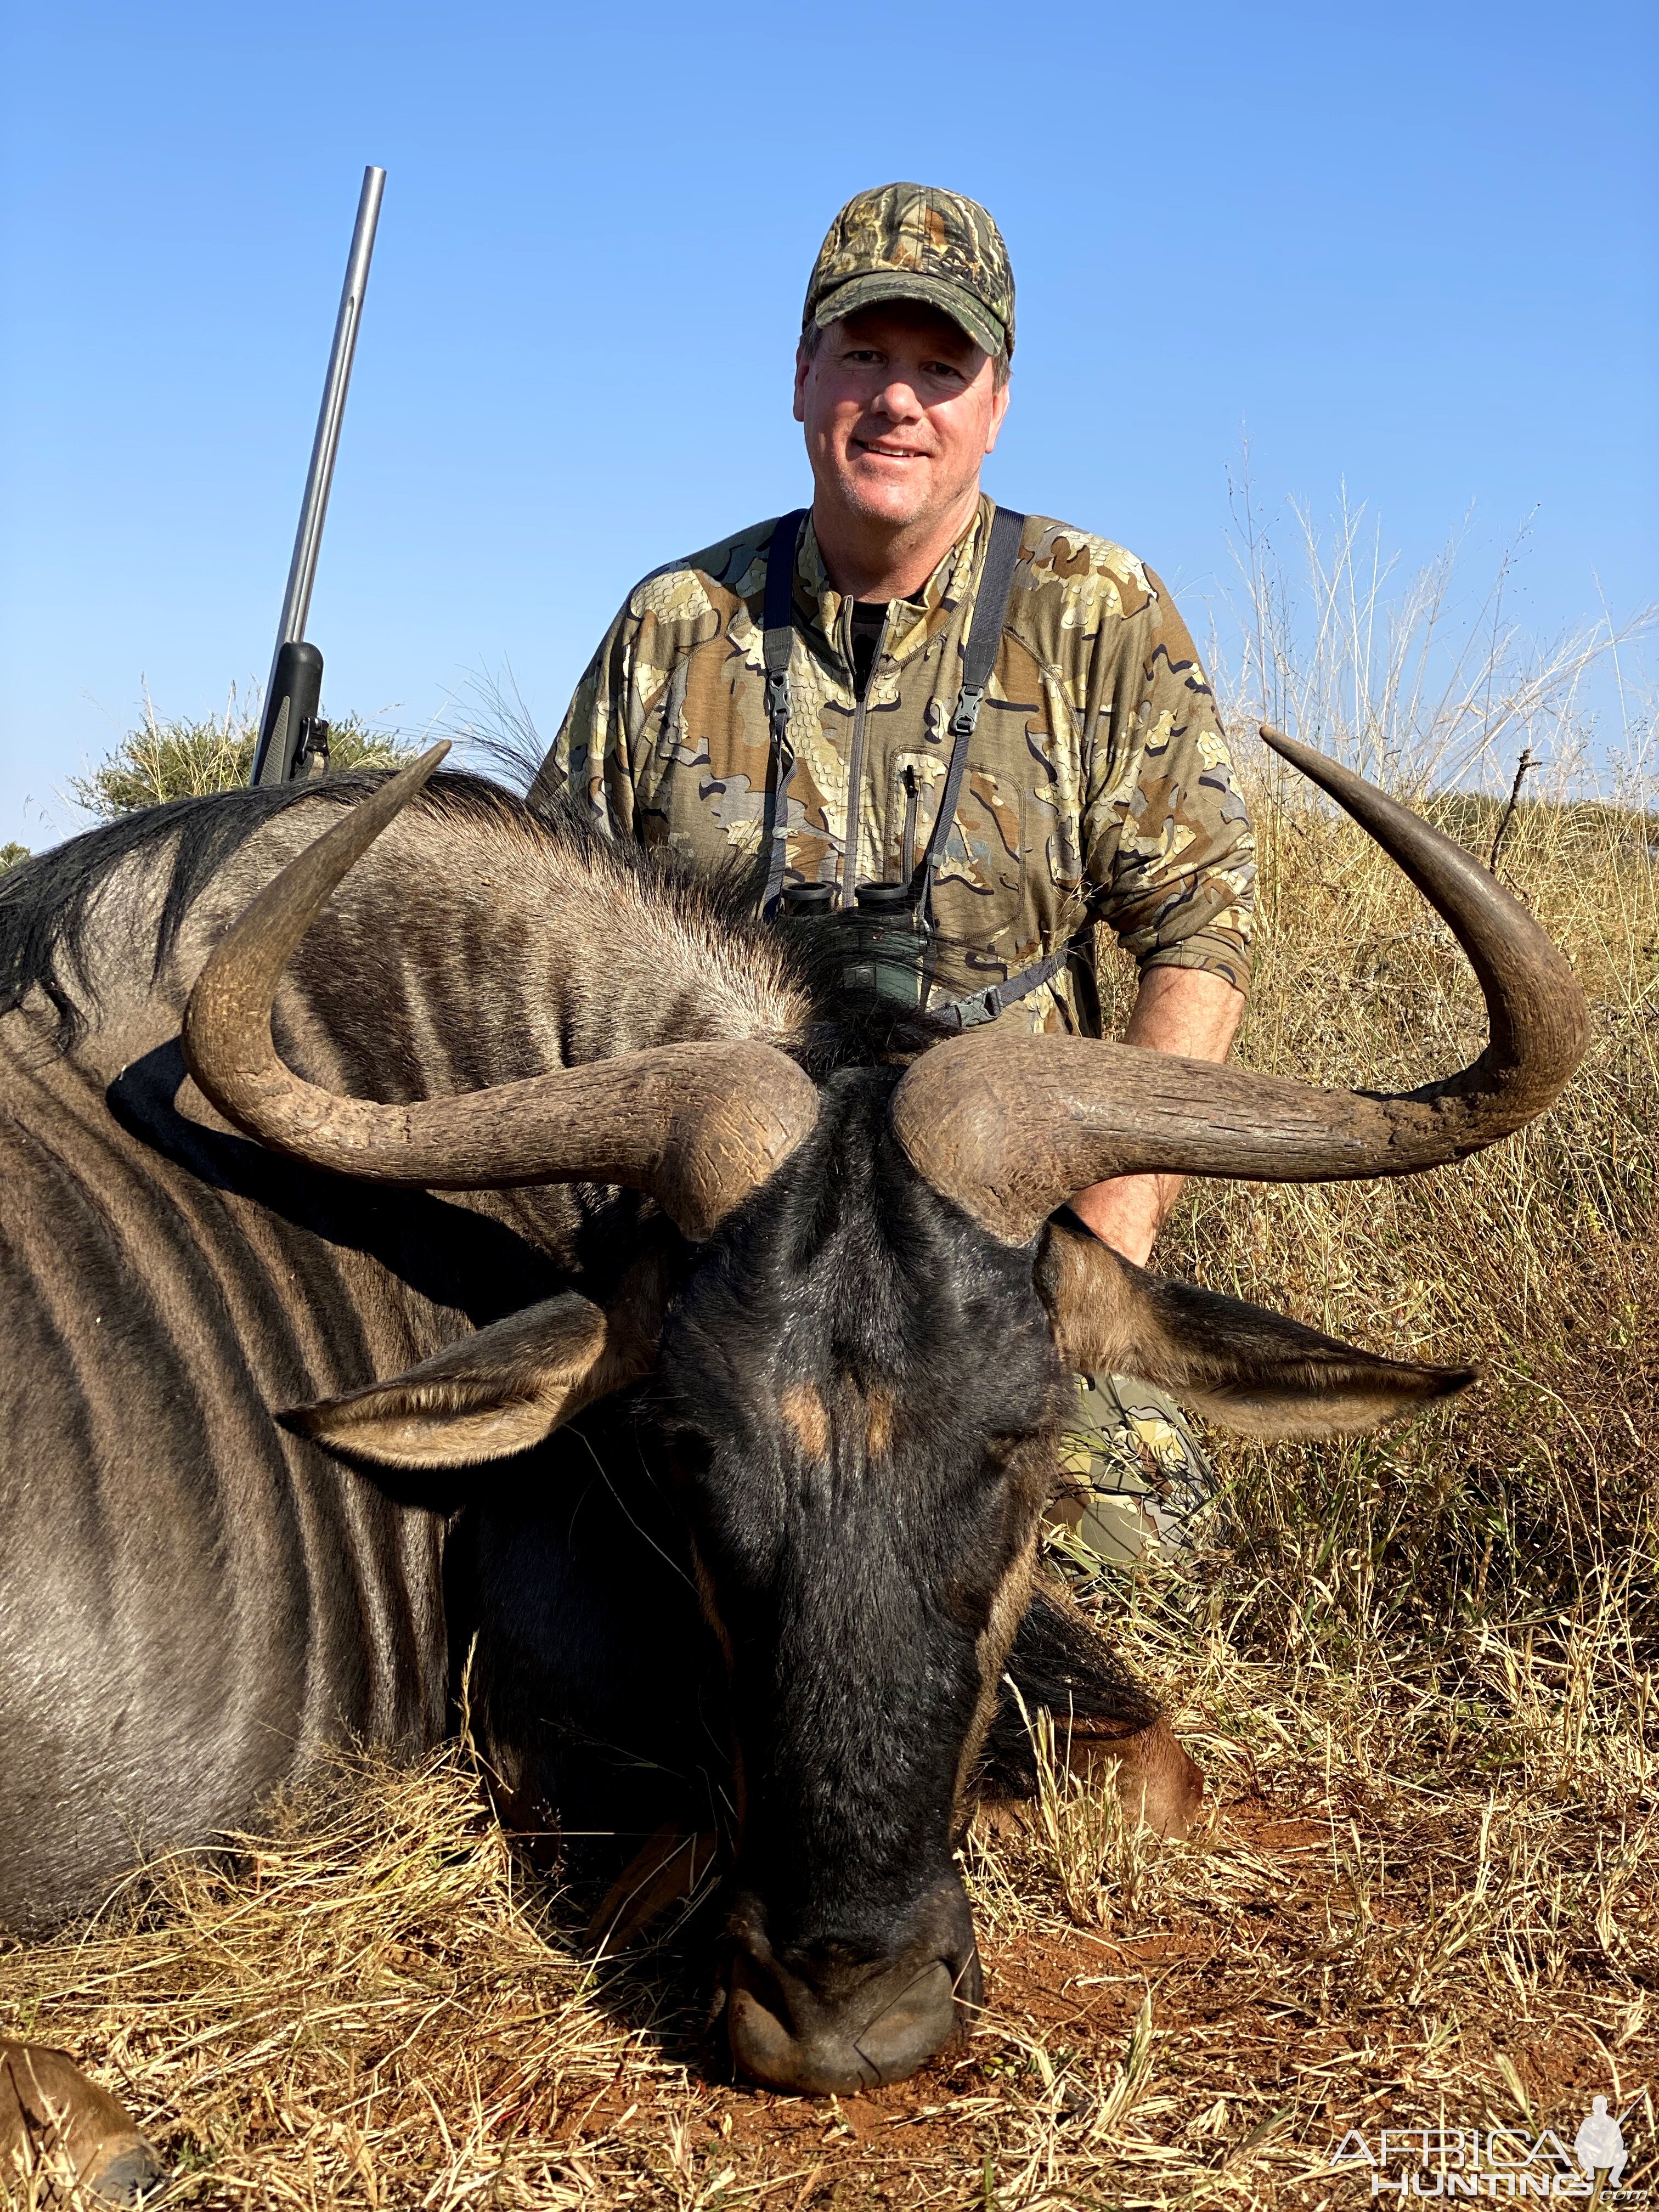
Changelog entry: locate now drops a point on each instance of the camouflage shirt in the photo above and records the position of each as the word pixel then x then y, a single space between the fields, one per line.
pixel 1098 786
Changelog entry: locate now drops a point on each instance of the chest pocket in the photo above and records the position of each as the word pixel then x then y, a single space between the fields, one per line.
pixel 986 842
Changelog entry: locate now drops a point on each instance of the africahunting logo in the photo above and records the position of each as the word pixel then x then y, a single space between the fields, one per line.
pixel 1504 2162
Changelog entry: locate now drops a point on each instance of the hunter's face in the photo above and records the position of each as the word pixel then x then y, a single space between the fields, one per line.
pixel 900 408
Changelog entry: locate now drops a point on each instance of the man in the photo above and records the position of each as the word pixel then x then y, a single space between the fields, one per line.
pixel 1093 784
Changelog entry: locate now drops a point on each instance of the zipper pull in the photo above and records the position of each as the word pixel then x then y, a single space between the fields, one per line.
pixel 912 801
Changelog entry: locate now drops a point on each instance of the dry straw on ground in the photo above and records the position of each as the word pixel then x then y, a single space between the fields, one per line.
pixel 1421 1670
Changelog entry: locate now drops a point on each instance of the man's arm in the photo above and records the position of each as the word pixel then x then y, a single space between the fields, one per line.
pixel 1188 1011
pixel 590 759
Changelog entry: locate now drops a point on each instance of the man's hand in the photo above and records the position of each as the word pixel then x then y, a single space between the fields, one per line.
pixel 1179 1010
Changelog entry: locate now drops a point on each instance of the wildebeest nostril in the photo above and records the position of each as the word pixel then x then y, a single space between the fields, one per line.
pixel 781 2037
pixel 831 2026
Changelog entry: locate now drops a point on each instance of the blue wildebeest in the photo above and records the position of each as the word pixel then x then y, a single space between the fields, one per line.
pixel 359 1137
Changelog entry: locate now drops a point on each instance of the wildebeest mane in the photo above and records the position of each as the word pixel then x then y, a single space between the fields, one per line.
pixel 48 903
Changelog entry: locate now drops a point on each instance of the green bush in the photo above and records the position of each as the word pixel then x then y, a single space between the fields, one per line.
pixel 184 760
pixel 11 853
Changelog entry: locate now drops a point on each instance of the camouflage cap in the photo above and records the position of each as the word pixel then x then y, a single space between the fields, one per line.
pixel 916 242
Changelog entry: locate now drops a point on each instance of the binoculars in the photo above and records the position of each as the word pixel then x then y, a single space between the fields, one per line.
pixel 887 938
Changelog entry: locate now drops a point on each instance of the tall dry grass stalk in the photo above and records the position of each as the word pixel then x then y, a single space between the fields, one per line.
pixel 1417 681
pixel 1102 1864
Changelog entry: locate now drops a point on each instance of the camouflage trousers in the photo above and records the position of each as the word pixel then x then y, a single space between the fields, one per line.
pixel 1132 1471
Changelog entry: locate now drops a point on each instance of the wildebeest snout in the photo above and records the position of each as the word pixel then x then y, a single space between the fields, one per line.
pixel 826 2017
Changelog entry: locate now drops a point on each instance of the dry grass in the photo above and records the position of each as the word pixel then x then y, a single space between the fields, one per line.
pixel 1421 1670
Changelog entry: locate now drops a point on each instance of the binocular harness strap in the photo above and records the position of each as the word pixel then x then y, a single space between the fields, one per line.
pixel 979 658
pixel 778 634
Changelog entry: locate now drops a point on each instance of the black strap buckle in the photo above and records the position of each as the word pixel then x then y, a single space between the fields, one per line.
pixel 965 719
pixel 982 1006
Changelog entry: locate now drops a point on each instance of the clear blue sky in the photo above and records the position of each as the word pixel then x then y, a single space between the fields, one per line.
pixel 1411 248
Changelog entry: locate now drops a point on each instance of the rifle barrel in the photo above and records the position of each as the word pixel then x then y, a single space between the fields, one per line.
pixel 302 569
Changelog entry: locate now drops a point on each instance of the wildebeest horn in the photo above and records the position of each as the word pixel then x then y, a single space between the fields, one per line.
pixel 697 1125
pixel 1011 1126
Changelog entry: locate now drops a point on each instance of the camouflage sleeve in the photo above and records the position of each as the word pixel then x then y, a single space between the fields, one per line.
pixel 592 756
pixel 1168 845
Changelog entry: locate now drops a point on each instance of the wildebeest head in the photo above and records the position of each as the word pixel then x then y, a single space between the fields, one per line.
pixel 858 1360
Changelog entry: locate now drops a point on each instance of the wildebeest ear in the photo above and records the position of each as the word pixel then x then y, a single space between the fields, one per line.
pixel 1251 1370
pixel 490 1396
